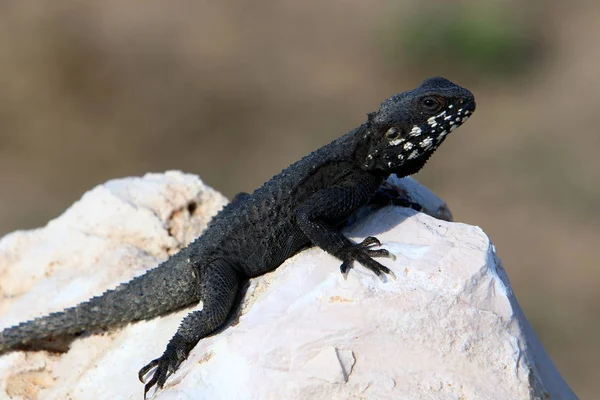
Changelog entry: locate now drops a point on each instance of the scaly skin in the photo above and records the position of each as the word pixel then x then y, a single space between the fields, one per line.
pixel 303 205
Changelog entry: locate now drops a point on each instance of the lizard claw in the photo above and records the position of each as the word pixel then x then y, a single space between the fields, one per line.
pixel 146 369
pixel 362 253
pixel 163 367
pixel 162 370
pixel 344 269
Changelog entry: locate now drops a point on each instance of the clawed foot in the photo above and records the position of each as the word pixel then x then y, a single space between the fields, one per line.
pixel 362 253
pixel 163 367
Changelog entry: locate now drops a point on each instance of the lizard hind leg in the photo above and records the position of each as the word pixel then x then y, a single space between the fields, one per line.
pixel 219 288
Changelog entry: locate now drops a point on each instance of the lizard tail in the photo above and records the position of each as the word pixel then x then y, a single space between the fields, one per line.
pixel 173 284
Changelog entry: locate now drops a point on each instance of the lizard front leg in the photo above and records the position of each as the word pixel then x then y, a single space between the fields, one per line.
pixel 322 213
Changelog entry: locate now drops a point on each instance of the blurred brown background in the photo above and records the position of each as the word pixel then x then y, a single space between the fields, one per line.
pixel 235 91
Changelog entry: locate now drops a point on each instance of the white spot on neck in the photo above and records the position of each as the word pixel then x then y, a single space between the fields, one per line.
pixel 414 154
pixel 426 142
pixel 408 146
pixel 432 120
pixel 415 131
pixel 396 142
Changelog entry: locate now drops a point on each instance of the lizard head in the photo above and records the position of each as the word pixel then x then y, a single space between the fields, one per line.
pixel 409 127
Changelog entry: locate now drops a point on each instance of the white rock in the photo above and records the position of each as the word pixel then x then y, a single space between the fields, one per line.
pixel 418 193
pixel 449 327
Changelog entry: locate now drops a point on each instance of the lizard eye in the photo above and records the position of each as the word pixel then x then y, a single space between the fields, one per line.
pixel 393 133
pixel 430 104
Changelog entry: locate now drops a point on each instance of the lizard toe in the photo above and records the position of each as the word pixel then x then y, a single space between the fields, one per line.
pixel 369 242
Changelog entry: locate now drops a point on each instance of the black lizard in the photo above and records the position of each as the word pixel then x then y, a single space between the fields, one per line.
pixel 303 205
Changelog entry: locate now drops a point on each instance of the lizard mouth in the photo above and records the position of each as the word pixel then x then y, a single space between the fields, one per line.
pixel 425 138
pixel 449 119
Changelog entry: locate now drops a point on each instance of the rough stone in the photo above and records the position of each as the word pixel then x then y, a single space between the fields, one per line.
pixel 449 326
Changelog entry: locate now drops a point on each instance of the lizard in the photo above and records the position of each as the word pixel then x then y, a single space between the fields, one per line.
pixel 305 204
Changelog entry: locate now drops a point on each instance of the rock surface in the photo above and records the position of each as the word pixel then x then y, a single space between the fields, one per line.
pixel 449 326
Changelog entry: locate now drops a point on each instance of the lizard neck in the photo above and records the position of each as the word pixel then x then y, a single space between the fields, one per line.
pixel 357 145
